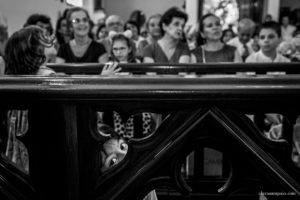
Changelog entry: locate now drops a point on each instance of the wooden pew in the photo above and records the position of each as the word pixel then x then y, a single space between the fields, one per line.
pixel 205 111
pixel 163 68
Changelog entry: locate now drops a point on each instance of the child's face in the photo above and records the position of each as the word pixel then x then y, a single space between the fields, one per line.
pixel 268 40
pixel 114 152
pixel 121 50
pixel 245 35
pixel 227 36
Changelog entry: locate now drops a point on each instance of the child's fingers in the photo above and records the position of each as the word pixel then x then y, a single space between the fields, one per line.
pixel 118 69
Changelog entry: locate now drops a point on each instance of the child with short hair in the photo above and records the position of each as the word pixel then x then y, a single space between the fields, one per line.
pixel 269 40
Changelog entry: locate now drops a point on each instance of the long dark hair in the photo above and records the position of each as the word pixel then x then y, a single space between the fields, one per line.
pixel 120 37
pixel 24 51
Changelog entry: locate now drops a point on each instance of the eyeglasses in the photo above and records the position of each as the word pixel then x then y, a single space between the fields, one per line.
pixel 77 20
pixel 121 49
pixel 114 24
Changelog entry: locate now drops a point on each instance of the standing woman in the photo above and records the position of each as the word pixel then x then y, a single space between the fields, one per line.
pixel 213 49
pixel 170 48
pixel 82 48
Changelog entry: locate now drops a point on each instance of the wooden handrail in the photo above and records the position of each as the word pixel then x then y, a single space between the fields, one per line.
pixel 201 111
pixel 164 68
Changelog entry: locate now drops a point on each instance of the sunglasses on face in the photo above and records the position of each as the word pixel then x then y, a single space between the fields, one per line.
pixel 77 20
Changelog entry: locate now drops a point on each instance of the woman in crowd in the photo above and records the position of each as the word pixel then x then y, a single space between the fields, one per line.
pixel 44 22
pixel 169 49
pixel 101 33
pixel 213 49
pixel 63 35
pixel 153 28
pixel 153 33
pixel 82 48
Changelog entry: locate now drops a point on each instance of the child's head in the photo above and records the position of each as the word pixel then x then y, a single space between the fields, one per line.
pixel 269 36
pixel 25 50
pixel 121 48
pixel 227 35
pixel 246 28
pixel 114 148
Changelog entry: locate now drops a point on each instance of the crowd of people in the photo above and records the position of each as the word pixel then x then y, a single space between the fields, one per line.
pixel 162 38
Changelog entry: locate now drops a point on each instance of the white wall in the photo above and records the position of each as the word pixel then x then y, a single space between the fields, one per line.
pixel 17 11
pixel 273 7
pixel 290 3
pixel 192 8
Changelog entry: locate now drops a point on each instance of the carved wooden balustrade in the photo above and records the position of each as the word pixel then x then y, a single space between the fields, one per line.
pixel 201 113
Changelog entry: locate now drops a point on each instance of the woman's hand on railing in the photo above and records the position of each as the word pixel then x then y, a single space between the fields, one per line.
pixel 110 68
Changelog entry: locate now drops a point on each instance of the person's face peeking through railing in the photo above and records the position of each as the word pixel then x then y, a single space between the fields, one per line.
pixel 114 151
pixel 113 147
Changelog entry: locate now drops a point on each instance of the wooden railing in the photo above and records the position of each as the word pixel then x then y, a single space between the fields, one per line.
pixel 164 68
pixel 200 113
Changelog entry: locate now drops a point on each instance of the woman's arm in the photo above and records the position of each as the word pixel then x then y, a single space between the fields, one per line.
pixel 148 60
pixel 193 58
pixel 59 60
pixel 184 59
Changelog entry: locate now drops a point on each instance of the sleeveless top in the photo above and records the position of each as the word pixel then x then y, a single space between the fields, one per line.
pixel 226 54
pixel 155 52
pixel 92 54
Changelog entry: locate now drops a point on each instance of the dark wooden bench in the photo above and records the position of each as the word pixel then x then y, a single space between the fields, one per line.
pixel 163 68
pixel 202 112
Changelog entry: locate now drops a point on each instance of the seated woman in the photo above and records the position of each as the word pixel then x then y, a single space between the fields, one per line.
pixel 170 48
pixel 82 48
pixel 214 50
